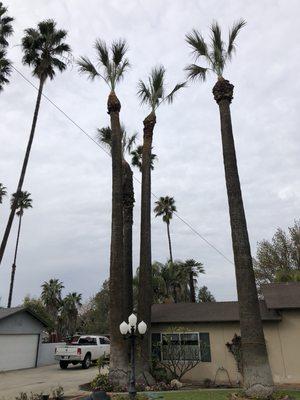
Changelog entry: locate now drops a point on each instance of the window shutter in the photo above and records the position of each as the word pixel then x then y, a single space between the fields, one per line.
pixel 205 347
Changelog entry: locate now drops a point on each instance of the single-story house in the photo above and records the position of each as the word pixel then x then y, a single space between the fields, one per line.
pixel 205 328
pixel 20 338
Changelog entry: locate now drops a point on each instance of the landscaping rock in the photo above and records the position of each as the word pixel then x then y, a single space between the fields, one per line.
pixel 176 384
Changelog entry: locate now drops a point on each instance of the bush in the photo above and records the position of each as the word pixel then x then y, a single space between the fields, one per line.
pixel 102 382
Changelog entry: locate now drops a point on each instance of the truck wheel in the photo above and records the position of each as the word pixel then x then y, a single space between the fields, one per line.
pixel 87 362
pixel 63 364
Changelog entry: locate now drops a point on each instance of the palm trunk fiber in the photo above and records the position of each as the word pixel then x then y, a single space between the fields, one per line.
pixel 14 266
pixel 257 375
pixel 192 287
pixel 118 353
pixel 169 241
pixel 145 274
pixel 23 171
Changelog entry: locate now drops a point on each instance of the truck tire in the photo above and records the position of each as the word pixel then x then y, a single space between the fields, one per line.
pixel 63 364
pixel 87 362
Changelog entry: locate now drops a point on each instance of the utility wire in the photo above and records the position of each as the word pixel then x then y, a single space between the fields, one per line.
pixel 108 153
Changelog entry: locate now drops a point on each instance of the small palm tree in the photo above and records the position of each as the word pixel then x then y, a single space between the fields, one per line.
pixel 69 313
pixel 51 297
pixel 258 379
pixel 24 202
pixel 136 158
pixel 193 269
pixel 165 207
pixel 3 192
pixel 6 30
pixel 152 94
pixel 46 52
pixel 112 64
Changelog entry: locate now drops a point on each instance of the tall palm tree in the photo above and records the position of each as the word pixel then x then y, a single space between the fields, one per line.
pixel 257 373
pixel 112 64
pixel 6 30
pixel 193 269
pixel 24 202
pixel 3 192
pixel 152 94
pixel 69 314
pixel 165 207
pixel 45 51
pixel 104 137
pixel 51 297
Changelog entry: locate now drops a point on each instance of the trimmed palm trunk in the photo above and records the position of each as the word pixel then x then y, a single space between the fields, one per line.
pixel 192 287
pixel 145 274
pixel 258 379
pixel 118 353
pixel 23 171
pixel 128 202
pixel 169 241
pixel 14 266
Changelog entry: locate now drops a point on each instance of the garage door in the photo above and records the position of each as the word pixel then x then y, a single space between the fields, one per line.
pixel 18 351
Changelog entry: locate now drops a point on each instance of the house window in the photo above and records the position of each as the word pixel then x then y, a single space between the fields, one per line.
pixel 185 346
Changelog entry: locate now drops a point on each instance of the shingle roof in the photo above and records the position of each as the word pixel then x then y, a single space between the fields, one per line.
pixel 7 312
pixel 282 295
pixel 205 312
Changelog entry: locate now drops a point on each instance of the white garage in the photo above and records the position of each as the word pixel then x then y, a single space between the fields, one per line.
pixel 20 331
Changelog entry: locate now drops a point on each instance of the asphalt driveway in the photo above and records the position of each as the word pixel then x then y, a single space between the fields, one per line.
pixel 43 379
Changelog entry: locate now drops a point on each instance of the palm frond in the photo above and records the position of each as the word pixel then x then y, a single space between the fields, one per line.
pixel 102 51
pixel 119 49
pixel 177 87
pixel 157 79
pixel 216 37
pixel 129 142
pixel 104 136
pixel 196 72
pixel 144 93
pixel 121 69
pixel 197 42
pixel 237 26
pixel 87 67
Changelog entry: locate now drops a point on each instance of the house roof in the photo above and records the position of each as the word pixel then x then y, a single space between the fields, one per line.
pixel 205 312
pixel 282 295
pixel 7 312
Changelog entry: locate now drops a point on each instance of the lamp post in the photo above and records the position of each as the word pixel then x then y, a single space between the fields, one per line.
pixel 132 331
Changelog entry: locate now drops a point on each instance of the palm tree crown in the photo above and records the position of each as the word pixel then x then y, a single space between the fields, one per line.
pixel 111 61
pixel 51 294
pixel 165 206
pixel 104 137
pixel 216 53
pixel 6 28
pixel 137 155
pixel 45 50
pixel 153 93
pixel 23 202
pixel 3 192
pixel 195 266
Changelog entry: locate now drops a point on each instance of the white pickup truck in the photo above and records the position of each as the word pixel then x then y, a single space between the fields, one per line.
pixel 82 350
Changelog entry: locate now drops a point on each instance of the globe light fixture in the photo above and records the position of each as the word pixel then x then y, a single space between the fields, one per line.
pixel 124 328
pixel 142 328
pixel 132 320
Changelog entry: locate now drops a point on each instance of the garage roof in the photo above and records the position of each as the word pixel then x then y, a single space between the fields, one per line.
pixel 7 312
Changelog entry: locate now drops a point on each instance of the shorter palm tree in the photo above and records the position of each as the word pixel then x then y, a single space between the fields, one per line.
pixel 51 297
pixel 24 202
pixel 69 313
pixel 6 30
pixel 136 158
pixel 193 269
pixel 3 192
pixel 165 207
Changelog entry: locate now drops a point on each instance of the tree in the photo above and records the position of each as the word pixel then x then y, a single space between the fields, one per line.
pixel 45 51
pixel 205 296
pixel 51 297
pixel 193 269
pixel 69 313
pixel 6 30
pixel 3 192
pixel 165 207
pixel 136 159
pixel 104 137
pixel 152 94
pixel 24 202
pixel 113 64
pixel 278 260
pixel 258 379
pixel 38 307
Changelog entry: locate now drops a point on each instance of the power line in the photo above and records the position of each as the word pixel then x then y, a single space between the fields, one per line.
pixel 108 153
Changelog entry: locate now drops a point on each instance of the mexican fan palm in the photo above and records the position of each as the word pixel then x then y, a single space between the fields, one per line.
pixel 152 93
pixel 136 158
pixel 193 269
pixel 6 30
pixel 165 207
pixel 51 297
pixel 45 52
pixel 3 192
pixel 104 137
pixel 69 314
pixel 111 66
pixel 24 202
pixel 216 54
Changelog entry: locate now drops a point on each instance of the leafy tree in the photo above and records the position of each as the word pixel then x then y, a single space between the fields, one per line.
pixel 23 203
pixel 193 269
pixel 136 159
pixel 165 207
pixel 258 379
pixel 45 51
pixel 6 30
pixel 112 64
pixel 51 297
pixel 3 192
pixel 152 94
pixel 39 308
pixel 205 296
pixel 278 260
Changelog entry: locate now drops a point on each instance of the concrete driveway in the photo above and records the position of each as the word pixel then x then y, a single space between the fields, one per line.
pixel 43 379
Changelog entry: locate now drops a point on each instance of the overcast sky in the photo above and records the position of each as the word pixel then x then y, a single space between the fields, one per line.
pixel 67 233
